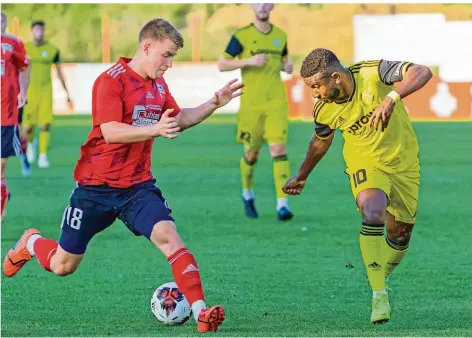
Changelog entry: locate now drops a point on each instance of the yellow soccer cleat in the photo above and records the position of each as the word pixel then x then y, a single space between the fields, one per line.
pixel 381 310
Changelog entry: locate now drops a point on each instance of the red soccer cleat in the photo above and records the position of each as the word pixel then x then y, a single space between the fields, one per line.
pixel 210 318
pixel 18 255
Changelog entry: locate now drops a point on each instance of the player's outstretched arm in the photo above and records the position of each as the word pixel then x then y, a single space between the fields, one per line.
pixel 316 150
pixel 190 117
pixel 117 132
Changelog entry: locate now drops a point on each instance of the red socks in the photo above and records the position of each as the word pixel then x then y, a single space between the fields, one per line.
pixel 44 249
pixel 4 194
pixel 186 275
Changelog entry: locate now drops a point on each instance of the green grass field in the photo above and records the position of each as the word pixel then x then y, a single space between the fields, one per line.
pixel 272 278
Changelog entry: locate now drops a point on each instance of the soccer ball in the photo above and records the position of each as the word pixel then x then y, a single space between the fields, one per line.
pixel 169 305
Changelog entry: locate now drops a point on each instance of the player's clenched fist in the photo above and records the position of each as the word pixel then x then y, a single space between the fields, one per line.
pixel 294 186
pixel 287 67
pixel 258 60
pixel 21 99
pixel 167 126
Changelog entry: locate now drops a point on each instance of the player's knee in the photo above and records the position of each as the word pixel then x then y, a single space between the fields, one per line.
pixel 251 156
pixel 64 269
pixel 277 150
pixel 373 213
pixel 4 166
pixel 46 127
pixel 165 237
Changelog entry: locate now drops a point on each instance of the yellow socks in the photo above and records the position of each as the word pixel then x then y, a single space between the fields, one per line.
pixel 44 137
pixel 247 174
pixel 393 255
pixel 281 168
pixel 372 243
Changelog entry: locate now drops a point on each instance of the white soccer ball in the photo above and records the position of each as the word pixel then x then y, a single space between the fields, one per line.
pixel 169 305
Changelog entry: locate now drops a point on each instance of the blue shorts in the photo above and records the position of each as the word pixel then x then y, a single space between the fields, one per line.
pixel 11 145
pixel 92 209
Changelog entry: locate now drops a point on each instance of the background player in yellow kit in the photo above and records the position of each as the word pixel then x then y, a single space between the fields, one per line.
pixel 262 53
pixel 380 150
pixel 39 110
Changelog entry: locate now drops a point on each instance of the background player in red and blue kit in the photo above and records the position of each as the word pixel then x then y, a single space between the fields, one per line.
pixel 15 80
pixel 131 105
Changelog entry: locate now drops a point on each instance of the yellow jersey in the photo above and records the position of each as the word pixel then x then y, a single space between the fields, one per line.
pixel 264 88
pixel 393 150
pixel 42 57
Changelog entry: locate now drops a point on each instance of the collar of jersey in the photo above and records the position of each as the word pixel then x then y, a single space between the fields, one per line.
pixel 270 30
pixel 124 62
pixel 41 44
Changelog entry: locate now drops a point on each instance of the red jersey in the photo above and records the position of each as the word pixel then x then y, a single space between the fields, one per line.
pixel 14 60
pixel 120 94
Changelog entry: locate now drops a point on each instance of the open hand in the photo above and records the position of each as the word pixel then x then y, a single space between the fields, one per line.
pixel 167 126
pixel 382 113
pixel 227 93
pixel 21 99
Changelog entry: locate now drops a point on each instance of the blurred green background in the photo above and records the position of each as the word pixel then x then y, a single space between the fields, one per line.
pixel 77 28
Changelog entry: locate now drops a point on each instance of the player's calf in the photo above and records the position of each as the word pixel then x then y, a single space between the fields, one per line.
pixel 4 194
pixel 44 139
pixel 396 244
pixel 47 252
pixel 247 167
pixel 400 232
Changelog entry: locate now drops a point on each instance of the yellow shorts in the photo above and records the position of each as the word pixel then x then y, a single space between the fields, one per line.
pixel 258 126
pixel 39 109
pixel 402 189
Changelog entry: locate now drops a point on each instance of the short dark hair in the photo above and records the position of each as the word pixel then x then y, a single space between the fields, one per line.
pixel 317 61
pixel 38 23
pixel 161 29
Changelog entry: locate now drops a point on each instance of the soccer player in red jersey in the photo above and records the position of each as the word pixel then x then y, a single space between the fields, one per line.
pixel 131 105
pixel 15 80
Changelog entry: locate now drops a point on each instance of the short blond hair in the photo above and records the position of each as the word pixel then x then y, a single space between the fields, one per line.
pixel 161 29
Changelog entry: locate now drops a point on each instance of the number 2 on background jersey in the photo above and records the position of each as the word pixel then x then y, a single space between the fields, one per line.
pixel 359 177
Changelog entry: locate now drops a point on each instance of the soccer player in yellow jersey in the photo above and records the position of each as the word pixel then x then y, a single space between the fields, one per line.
pixel 39 110
pixel 380 150
pixel 261 49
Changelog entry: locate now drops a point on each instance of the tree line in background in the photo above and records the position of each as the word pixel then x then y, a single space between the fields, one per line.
pixel 77 28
